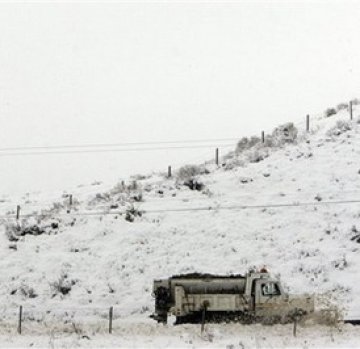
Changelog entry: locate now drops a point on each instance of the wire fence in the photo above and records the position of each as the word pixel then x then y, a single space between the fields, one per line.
pixel 29 319
pixel 70 209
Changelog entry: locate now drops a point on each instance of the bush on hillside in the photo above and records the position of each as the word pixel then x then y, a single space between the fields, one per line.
pixel 14 231
pixel 286 133
pixel 194 184
pixel 131 213
pixel 257 155
pixel 190 171
pixel 62 285
pixel 340 127
pixel 342 106
pixel 329 112
pixel 246 143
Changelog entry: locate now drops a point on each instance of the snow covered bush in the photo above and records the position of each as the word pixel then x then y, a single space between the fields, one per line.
pixel 62 285
pixel 246 143
pixel 189 171
pixel 131 213
pixel 26 291
pixel 233 163
pixel 122 187
pixel 355 101
pixel 254 150
pixel 340 263
pixel 342 106
pixel 194 184
pixel 340 127
pixel 329 112
pixel 14 230
pixel 257 155
pixel 286 133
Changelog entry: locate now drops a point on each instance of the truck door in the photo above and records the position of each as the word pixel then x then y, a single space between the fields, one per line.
pixel 268 296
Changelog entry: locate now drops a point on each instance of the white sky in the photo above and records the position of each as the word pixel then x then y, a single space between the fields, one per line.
pixel 75 73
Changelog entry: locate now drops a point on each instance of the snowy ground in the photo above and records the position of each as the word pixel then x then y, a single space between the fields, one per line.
pixel 106 261
pixel 149 335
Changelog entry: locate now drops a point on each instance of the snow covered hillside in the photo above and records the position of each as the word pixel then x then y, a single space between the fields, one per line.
pixel 284 206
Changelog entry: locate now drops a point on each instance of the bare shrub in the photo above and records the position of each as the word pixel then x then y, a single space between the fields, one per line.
pixel 131 213
pixel 340 127
pixel 340 263
pixel 27 291
pixel 14 230
pixel 136 197
pixel 246 143
pixel 355 101
pixel 189 171
pixel 231 164
pixel 342 106
pixel 139 177
pixel 194 184
pixel 286 133
pixel 62 285
pixel 329 112
pixel 257 155
pixel 122 187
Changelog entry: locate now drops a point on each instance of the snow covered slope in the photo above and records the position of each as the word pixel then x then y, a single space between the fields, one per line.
pixel 78 264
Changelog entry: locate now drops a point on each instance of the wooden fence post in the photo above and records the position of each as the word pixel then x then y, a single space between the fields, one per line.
pixel 351 110
pixel 295 326
pixel 307 123
pixel 262 137
pixel 70 203
pixel 169 171
pixel 111 312
pixel 203 316
pixel 17 212
pixel 20 320
pixel 217 156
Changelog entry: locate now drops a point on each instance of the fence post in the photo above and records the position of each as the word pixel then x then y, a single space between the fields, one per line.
pixel 20 320
pixel 203 315
pixel 70 203
pixel 217 156
pixel 169 171
pixel 295 326
pixel 262 137
pixel 17 212
pixel 307 123
pixel 111 312
pixel 351 110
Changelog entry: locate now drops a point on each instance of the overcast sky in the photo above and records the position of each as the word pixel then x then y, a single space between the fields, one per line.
pixel 79 73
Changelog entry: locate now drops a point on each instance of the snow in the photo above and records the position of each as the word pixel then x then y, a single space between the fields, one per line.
pixel 227 336
pixel 109 261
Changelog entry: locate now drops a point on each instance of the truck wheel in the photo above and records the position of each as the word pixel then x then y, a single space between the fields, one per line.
pixel 162 319
pixel 179 320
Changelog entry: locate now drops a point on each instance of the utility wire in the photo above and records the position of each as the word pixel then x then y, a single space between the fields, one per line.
pixel 240 207
pixel 114 150
pixel 107 145
pixel 194 209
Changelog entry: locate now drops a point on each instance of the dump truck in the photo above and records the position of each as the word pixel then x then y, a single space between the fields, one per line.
pixel 255 297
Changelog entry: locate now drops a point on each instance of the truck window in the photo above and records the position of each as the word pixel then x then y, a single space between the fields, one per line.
pixel 270 289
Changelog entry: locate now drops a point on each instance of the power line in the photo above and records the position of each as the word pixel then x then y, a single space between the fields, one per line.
pixel 240 207
pixel 123 144
pixel 194 209
pixel 114 150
